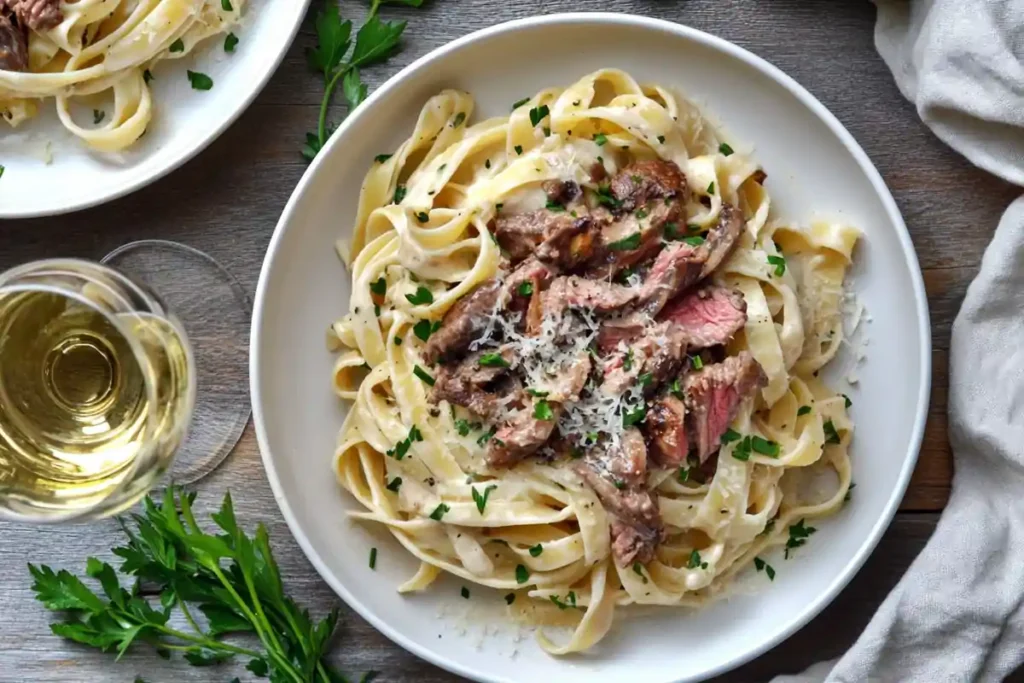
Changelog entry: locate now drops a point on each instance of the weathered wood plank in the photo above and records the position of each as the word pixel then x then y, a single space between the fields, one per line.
pixel 227 202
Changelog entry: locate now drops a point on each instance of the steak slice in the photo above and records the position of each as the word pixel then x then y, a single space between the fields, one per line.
pixel 593 295
pixel 521 233
pixel 464 322
pixel 618 477
pixel 677 267
pixel 666 431
pixel 713 397
pixel 620 331
pixel 708 316
pixel 13 44
pixel 649 359
pixel 644 181
pixel 38 15
pixel 465 384
pixel 722 238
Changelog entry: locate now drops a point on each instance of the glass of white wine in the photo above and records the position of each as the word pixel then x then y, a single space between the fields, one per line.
pixel 97 386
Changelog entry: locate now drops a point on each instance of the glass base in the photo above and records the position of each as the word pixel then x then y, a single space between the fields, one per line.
pixel 215 312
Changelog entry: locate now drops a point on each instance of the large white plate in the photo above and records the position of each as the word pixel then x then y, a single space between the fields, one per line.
pixel 814 168
pixel 49 171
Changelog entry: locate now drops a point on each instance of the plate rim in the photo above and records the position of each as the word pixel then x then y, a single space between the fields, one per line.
pixel 186 155
pixel 767 70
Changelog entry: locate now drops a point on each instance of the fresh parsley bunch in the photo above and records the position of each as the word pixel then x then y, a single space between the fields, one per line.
pixel 375 41
pixel 230 578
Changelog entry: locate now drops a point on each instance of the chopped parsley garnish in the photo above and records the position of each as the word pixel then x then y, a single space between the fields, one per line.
pixel 536 550
pixel 226 5
pixel 847 400
pixel 439 512
pixel 463 427
pixel 831 435
pixel 422 216
pixel 199 81
pixel 684 474
pixel 147 75
pixel 803 410
pixel 730 435
pixel 486 436
pixel 626 243
pixel 780 264
pixel 510 598
pixel 481 498
pixel 632 417
pixel 98 115
pixel 764 446
pixel 422 374
pixel 760 564
pixel 381 158
pixel 646 379
pixel 694 240
pixel 671 231
pixel 641 214
pixel 522 574
pixel 421 297
pixel 554 206
pixel 525 289
pixel 460 118
pixel 696 362
pixel 570 600
pixel 627 362
pixel 542 411
pixel 605 197
pixel 661 139
pixel 695 562
pixel 376 310
pixel 537 393
pixel 849 492
pixel 711 187
pixel 600 139
pixel 742 450
pixel 798 535
pixel 619 484
pixel 395 484
pixel 230 42
pixel 538 114
pixel 638 569
pixel 725 149
pixel 518 149
pixel 464 592
pixel 493 360
pixel 373 558
pixel 676 390
pixel 424 328
pixel 520 103
pixel 177 46
pixel 379 286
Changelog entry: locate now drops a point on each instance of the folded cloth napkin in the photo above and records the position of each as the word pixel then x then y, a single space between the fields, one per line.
pixel 957 613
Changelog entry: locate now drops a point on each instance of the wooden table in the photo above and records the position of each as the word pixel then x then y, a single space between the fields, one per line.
pixel 227 202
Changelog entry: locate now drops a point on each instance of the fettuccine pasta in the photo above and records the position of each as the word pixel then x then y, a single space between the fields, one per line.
pixel 566 544
pixel 80 51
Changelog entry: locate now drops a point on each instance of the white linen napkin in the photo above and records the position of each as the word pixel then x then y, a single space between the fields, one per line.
pixel 957 613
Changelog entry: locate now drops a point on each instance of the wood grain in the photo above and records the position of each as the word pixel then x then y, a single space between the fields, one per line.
pixel 227 201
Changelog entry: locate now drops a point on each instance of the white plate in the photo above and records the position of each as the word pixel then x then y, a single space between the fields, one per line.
pixel 49 171
pixel 814 167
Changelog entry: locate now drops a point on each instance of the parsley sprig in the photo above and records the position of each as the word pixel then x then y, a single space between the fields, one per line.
pixel 233 579
pixel 376 40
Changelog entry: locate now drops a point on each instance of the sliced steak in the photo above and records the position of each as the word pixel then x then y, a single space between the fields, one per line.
pixel 567 384
pixel 593 295
pixel 619 331
pixel 465 384
pixel 666 431
pixel 38 15
pixel 708 316
pixel 570 246
pixel 649 359
pixel 13 44
pixel 722 238
pixel 464 322
pixel 713 397
pixel 618 476
pixel 521 233
pixel 564 192
pixel 522 435
pixel 677 267
pixel 644 181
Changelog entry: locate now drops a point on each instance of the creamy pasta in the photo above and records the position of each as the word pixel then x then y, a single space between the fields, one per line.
pixel 424 239
pixel 95 47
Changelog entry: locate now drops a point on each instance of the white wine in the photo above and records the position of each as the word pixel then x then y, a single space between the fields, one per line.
pixel 94 391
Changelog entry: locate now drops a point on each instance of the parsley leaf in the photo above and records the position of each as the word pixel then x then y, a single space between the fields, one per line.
pixel 423 375
pixel 780 264
pixel 638 569
pixel 379 286
pixel 536 550
pixel 424 328
pixel 439 512
pixel 725 149
pixel 798 535
pixel 525 289
pixel 199 81
pixel 481 499
pixel 522 574
pixel 600 139
pixel 760 564
pixel 764 446
pixel 730 435
pixel 230 42
pixel 831 435
pixel 177 46
pixel 803 410
pixel 423 296
pixel 353 88
pixel 627 243
pixel 538 114
pixel 516 105
pixel 632 417
pixel 542 411
pixel 493 360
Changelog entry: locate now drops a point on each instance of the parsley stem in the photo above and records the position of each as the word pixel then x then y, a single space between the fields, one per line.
pixel 208 643
pixel 188 616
